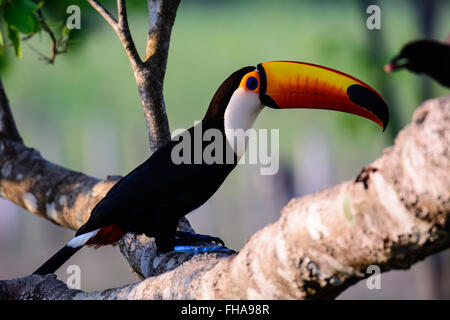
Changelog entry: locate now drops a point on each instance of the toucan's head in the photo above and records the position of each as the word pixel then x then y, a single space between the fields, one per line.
pixel 423 56
pixel 289 85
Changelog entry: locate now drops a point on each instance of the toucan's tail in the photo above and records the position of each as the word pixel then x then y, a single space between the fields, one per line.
pixel 59 258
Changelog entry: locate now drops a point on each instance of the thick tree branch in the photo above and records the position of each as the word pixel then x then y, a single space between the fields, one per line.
pixel 150 80
pixel 161 19
pixel 8 127
pixel 395 213
pixel 64 196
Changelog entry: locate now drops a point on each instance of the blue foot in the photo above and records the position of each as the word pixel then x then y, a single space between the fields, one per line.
pixel 185 237
pixel 194 250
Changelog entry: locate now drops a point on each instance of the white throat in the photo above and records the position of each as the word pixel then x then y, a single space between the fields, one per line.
pixel 240 114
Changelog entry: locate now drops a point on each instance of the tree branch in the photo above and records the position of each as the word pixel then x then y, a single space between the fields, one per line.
pixel 8 127
pixel 104 13
pixel 122 30
pixel 64 196
pixel 161 19
pixel 395 213
pixel 149 75
pixel 124 34
pixel 55 42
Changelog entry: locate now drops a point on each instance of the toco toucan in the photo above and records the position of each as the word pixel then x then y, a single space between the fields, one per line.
pixel 152 197
pixel 425 56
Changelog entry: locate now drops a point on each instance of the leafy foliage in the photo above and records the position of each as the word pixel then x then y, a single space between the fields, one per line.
pixel 22 19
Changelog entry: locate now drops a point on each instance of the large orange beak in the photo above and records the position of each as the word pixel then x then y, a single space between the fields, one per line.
pixel 289 84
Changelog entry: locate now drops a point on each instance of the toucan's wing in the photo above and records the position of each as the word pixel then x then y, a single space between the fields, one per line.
pixel 157 184
pixel 134 191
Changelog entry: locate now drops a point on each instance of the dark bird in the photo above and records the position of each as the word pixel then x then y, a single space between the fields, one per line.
pixel 152 197
pixel 425 56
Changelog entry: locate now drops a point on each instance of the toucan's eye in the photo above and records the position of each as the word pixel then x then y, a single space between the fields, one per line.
pixel 252 83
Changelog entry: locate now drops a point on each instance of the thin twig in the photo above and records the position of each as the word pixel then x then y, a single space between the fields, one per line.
pixel 104 13
pixel 25 38
pixel 122 30
pixel 124 34
pixel 53 39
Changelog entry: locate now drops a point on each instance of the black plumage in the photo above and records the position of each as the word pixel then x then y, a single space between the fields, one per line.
pixel 151 198
pixel 57 260
pixel 425 56
pixel 180 176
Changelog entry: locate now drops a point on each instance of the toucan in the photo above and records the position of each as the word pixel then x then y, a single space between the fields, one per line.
pixel 424 56
pixel 151 198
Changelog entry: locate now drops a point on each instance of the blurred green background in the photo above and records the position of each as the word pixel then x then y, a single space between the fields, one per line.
pixel 84 113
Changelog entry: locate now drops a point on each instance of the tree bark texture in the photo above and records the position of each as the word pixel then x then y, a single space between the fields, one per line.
pixel 393 214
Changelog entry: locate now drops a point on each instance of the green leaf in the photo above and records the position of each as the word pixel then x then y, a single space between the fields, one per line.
pixel 13 35
pixel 1 41
pixel 27 5
pixel 25 22
pixel 37 24
pixel 65 32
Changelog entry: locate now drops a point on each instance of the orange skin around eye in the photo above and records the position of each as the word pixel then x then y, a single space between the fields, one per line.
pixel 244 80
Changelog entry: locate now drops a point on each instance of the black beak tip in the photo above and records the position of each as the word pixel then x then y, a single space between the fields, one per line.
pixel 371 101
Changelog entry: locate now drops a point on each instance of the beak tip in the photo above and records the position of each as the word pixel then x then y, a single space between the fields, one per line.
pixel 389 68
pixel 369 100
pixel 384 123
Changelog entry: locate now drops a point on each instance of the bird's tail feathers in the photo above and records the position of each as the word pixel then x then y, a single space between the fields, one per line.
pixel 59 258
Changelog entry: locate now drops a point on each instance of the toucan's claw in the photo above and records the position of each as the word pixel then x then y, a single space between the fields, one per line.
pixel 186 237
pixel 194 250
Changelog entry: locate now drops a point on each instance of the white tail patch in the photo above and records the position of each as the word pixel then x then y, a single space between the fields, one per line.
pixel 80 240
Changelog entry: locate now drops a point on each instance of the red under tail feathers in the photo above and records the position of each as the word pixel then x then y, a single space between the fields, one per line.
pixel 106 235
